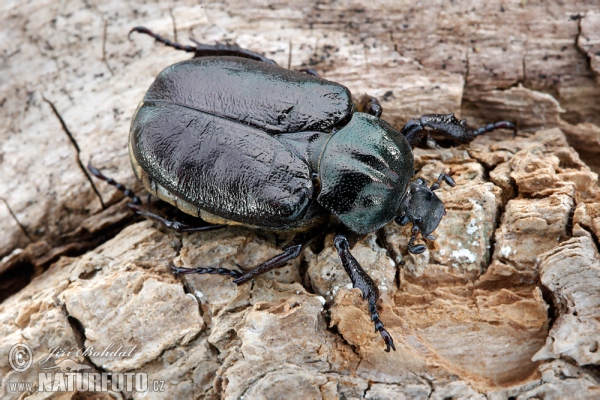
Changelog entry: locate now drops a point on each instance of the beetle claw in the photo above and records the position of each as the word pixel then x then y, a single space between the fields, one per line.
pixel 418 249
pixel 387 338
pixel 443 177
pixel 403 220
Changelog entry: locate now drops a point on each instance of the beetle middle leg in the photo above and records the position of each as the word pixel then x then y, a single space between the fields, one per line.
pixel 203 50
pixel 291 251
pixel 414 130
pixel 360 279
pixel 136 206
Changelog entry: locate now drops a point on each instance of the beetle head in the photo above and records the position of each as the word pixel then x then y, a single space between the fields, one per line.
pixel 423 208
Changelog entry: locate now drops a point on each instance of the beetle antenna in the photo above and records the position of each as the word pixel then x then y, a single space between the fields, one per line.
pixel 127 192
pixel 165 41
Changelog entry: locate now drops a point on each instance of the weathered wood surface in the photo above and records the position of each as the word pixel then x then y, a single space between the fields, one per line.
pixel 503 304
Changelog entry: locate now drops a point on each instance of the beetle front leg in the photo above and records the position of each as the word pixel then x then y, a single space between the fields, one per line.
pixel 360 279
pixel 419 248
pixel 414 130
pixel 443 177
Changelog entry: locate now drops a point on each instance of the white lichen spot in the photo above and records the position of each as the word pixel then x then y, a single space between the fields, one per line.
pixel 349 286
pixel 321 299
pixel 472 226
pixel 505 251
pixel 442 252
pixel 477 209
pixel 334 290
pixel 199 294
pixel 463 256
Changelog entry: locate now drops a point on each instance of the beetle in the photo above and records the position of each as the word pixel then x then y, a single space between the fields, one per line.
pixel 233 139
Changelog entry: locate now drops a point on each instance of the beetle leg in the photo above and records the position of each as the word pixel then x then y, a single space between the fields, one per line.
pixel 136 206
pixel 203 50
pixel 368 104
pixel 414 130
pixel 220 271
pixel 360 279
pixel 309 71
pixel 175 225
pixel 291 251
pixel 442 177
pixel 415 249
pixel 127 192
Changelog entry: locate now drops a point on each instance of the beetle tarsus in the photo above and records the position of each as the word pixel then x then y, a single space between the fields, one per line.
pixel 203 50
pixel 165 41
pixel 136 206
pixel 443 177
pixel 414 130
pixel 215 271
pixel 494 126
pixel 360 279
pixel 127 192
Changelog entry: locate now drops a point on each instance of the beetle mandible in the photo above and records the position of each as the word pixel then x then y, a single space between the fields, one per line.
pixel 233 139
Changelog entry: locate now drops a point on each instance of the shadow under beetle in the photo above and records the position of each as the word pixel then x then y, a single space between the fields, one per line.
pixel 233 139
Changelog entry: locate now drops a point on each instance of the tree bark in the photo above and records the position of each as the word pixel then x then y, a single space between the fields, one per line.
pixel 503 304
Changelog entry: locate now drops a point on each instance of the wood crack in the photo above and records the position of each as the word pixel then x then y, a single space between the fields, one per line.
pixel 77 149
pixel 17 220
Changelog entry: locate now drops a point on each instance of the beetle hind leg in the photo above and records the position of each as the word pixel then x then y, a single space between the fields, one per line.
pixel 136 206
pixel 165 41
pixel 127 192
pixel 203 50
pixel 171 224
pixel 360 279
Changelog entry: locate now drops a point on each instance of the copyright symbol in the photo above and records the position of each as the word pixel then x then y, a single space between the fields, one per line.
pixel 20 357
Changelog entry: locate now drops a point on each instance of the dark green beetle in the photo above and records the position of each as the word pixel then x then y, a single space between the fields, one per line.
pixel 232 138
